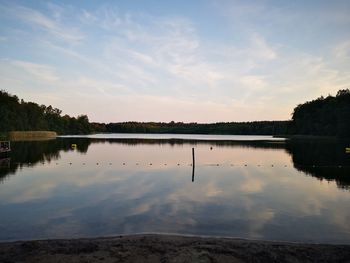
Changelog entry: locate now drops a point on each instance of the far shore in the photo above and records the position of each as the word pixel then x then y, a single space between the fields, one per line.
pixel 306 137
pixel 45 135
pixel 169 248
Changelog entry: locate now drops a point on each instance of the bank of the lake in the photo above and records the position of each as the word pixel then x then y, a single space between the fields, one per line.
pixel 169 248
pixel 30 135
pixel 307 137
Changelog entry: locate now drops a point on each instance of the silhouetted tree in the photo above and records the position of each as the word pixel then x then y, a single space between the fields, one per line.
pixel 25 116
pixel 328 116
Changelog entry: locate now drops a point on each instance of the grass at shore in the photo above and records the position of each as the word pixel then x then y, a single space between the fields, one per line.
pixel 19 135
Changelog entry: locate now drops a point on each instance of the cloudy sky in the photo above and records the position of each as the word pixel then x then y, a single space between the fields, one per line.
pixel 201 61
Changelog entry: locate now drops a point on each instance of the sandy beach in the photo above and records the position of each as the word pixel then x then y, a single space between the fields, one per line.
pixel 169 248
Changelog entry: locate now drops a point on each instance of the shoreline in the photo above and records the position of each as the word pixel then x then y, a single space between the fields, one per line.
pixel 30 135
pixel 169 248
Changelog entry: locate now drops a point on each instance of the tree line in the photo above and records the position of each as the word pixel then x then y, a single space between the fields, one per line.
pixel 328 116
pixel 238 128
pixel 18 115
pixel 325 116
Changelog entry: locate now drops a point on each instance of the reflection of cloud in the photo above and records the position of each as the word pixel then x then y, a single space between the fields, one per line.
pixel 258 220
pixel 142 208
pixel 251 183
pixel 213 190
pixel 252 186
pixel 37 191
pixel 234 201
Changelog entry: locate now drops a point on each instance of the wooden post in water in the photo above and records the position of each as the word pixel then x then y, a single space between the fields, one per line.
pixel 193 164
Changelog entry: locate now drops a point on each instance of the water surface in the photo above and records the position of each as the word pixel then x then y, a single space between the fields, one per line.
pixel 159 136
pixel 260 189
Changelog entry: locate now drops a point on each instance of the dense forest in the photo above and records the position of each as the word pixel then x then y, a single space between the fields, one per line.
pixel 238 128
pixel 17 115
pixel 328 116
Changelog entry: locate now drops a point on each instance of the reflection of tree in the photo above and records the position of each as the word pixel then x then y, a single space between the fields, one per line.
pixel 178 142
pixel 324 159
pixel 30 153
pixel 321 159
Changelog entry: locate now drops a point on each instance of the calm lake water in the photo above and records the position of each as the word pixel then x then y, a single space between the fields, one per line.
pixel 247 187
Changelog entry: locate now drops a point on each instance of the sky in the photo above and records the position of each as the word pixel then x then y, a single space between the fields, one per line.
pixel 191 61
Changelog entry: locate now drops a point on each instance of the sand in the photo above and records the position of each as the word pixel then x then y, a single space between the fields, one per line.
pixel 169 248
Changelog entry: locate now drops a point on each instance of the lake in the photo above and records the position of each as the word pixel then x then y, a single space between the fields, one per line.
pixel 255 187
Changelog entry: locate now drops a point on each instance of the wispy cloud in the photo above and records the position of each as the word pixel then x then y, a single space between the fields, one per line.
pixel 342 50
pixel 39 21
pixel 39 71
pixel 253 65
